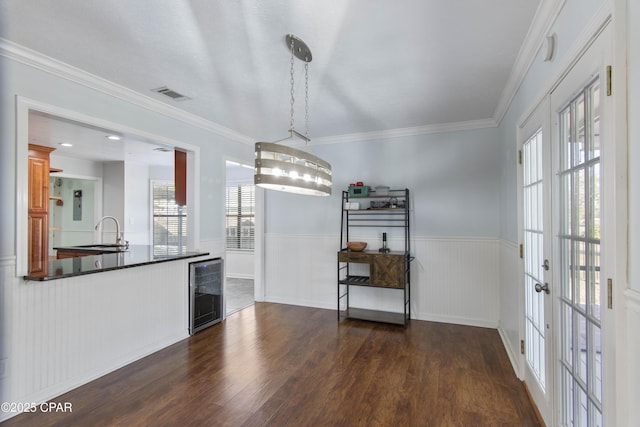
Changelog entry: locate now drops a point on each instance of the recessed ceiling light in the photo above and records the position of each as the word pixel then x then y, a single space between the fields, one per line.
pixel 66 144
pixel 114 137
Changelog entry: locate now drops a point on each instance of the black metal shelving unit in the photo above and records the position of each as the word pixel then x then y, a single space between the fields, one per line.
pixel 389 270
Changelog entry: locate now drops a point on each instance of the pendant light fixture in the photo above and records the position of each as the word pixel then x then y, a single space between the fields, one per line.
pixel 282 168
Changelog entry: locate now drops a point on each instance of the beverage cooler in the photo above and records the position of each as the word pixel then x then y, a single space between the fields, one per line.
pixel 205 294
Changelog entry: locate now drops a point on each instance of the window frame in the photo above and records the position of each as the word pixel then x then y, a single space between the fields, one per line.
pixel 182 221
pixel 240 216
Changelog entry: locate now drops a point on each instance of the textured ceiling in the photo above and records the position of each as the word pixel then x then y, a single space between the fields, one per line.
pixel 377 64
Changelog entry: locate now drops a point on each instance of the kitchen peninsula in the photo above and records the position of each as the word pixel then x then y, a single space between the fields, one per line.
pixel 98 313
pixel 134 256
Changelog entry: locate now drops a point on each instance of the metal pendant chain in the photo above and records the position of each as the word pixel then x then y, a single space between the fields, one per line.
pixel 301 51
pixel 306 101
pixel 291 128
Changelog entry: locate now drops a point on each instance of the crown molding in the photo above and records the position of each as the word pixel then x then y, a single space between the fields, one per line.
pixel 405 132
pixel 50 65
pixel 597 24
pixel 546 15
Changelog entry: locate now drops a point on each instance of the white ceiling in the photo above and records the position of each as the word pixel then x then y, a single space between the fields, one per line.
pixel 377 65
pixel 91 143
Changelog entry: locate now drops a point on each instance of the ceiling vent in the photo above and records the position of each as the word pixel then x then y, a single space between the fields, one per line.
pixel 170 93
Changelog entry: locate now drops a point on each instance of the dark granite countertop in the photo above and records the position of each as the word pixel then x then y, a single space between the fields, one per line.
pixel 135 256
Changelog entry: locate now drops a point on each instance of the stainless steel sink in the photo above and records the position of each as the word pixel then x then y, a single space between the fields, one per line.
pixel 111 246
pixel 97 249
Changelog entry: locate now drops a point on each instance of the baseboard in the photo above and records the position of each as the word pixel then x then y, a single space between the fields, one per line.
pixel 513 358
pixel 533 405
pixel 303 303
pixel 240 276
pixel 463 321
pixel 456 320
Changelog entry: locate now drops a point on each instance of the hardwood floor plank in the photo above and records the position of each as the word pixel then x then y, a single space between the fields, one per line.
pixel 280 365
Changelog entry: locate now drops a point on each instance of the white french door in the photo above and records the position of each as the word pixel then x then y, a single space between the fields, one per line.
pixel 578 139
pixel 562 224
pixel 535 183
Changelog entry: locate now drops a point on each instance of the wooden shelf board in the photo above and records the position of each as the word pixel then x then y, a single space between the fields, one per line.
pixel 355 280
pixel 375 316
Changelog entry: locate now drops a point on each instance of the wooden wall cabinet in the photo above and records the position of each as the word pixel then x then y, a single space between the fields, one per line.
pixel 38 198
pixel 180 176
pixel 385 269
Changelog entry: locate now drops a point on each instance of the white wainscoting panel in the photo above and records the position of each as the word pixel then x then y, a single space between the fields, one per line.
pixel 454 280
pixel 511 305
pixel 301 270
pixel 631 350
pixel 239 264
pixel 60 334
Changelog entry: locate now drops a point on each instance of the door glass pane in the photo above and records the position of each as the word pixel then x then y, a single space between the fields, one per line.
pixel 594 279
pixel 565 201
pixel 566 353
pixel 580 274
pixel 595 383
pixel 596 416
pixel 582 408
pixel 579 201
pixel 565 139
pixel 594 202
pixel 594 100
pixel 581 323
pixel 565 258
pixel 567 397
pixel 579 131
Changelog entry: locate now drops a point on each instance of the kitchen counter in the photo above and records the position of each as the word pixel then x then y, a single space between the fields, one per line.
pixel 135 256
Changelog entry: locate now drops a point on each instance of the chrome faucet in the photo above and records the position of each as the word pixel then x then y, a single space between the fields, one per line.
pixel 119 238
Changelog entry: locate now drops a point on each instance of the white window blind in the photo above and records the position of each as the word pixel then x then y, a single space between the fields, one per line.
pixel 240 216
pixel 169 220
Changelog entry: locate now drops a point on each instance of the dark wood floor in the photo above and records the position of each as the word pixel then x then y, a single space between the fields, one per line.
pixel 278 365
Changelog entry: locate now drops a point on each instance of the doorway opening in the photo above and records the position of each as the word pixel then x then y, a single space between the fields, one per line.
pixel 83 149
pixel 75 205
pixel 240 212
pixel 563 214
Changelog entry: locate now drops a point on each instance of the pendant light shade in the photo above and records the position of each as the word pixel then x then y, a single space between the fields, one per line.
pixel 282 168
pixel 288 169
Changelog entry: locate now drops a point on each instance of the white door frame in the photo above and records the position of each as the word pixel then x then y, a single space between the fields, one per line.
pixel 258 248
pixel 614 202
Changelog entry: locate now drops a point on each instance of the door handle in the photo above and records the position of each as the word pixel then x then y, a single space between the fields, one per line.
pixel 540 288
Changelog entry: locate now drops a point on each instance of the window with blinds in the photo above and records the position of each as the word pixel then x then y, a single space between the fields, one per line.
pixel 240 216
pixel 169 220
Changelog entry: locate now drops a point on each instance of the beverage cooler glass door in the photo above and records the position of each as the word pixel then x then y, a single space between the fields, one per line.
pixel 205 289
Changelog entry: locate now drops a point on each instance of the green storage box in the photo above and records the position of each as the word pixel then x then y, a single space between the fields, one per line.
pixel 359 191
